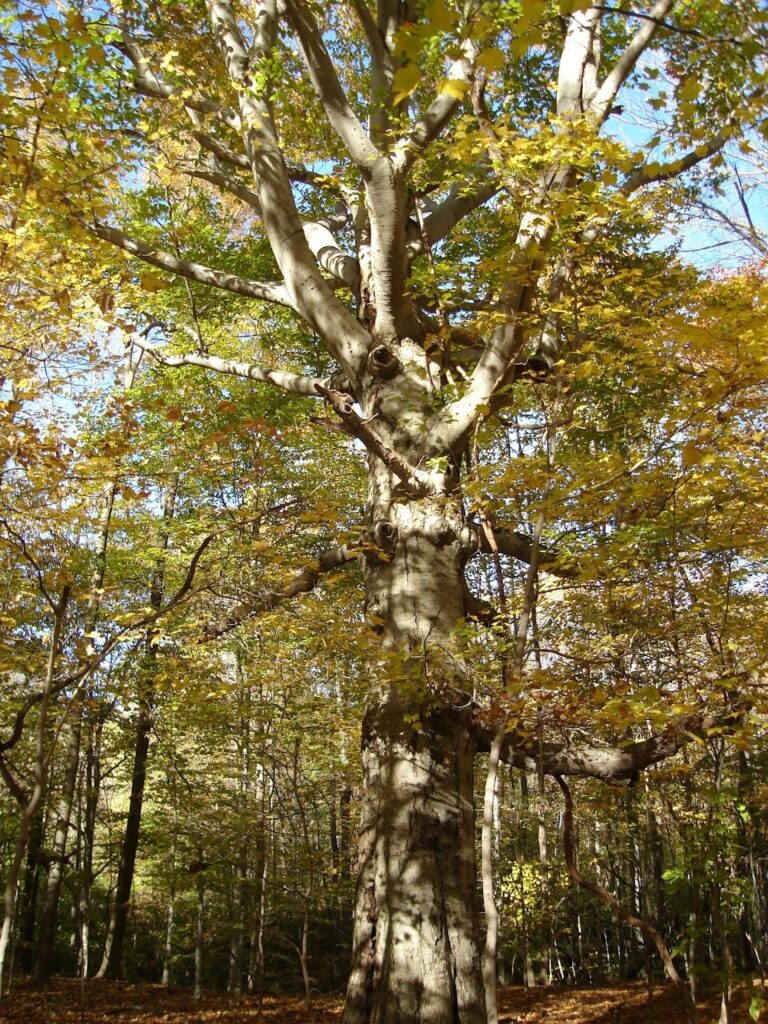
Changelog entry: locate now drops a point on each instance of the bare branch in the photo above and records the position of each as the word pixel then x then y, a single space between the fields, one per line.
pixel 269 291
pixel 427 128
pixel 329 91
pixel 221 151
pixel 444 217
pixel 231 185
pixel 302 583
pixel 293 382
pixel 653 173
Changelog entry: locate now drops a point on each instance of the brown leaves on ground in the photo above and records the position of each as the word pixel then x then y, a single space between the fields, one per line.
pixel 100 1002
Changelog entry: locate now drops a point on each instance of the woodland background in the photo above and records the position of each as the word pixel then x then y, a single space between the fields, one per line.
pixel 139 500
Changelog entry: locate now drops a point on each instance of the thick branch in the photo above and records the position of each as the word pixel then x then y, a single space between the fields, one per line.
pixel 427 128
pixel 309 294
pixel 619 766
pixel 329 91
pixel 601 105
pixel 319 237
pixel 329 254
pixel 520 546
pixel 444 217
pixel 302 583
pixel 228 184
pixel 295 383
pixel 269 291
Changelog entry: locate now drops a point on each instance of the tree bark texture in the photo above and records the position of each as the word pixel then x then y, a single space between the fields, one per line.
pixel 416 949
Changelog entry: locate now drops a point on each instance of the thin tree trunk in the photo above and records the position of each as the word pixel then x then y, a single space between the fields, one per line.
pixel 38 785
pixel 92 790
pixel 199 932
pixel 618 911
pixel 256 967
pixel 168 949
pixel 112 961
pixel 48 921
pixel 29 893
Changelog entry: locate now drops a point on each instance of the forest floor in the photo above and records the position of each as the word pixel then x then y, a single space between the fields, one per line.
pixel 103 1002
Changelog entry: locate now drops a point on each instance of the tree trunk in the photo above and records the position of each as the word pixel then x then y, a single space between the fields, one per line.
pixel 35 796
pixel 112 961
pixel 48 921
pixel 416 950
pixel 416 945
pixel 199 933
pixel 42 968
pixel 91 801
pixel 29 893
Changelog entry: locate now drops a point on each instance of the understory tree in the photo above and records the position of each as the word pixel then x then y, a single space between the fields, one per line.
pixel 454 206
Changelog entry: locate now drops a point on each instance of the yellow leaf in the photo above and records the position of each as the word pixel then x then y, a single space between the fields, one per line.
pixel 152 282
pixel 455 87
pixel 405 81
pixel 689 90
pixel 440 17
pixel 691 454
pixel 492 59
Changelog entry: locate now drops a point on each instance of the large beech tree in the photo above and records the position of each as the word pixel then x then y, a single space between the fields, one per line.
pixel 420 184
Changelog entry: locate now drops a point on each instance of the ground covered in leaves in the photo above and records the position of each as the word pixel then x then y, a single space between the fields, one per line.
pixel 97 1002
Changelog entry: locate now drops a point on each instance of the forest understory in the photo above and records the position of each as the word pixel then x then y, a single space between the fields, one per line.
pixel 98 1001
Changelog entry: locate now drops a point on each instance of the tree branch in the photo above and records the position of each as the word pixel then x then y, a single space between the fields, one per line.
pixel 427 128
pixel 294 383
pixel 231 185
pixel 147 83
pixel 268 291
pixel 520 546
pixel 444 217
pixel 600 106
pixel 416 480
pixel 663 172
pixel 302 583
pixel 619 766
pixel 328 88
pixel 309 294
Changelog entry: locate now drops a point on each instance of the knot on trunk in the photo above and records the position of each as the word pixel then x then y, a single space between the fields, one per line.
pixel 384 535
pixel 439 531
pixel 469 540
pixel 383 363
pixel 378 543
